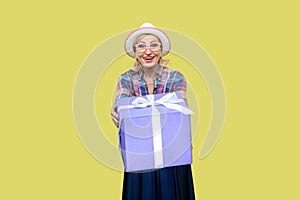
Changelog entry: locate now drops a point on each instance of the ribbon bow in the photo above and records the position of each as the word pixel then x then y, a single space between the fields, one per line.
pixel 169 100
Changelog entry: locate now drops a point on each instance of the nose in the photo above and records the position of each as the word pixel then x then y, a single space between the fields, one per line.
pixel 148 51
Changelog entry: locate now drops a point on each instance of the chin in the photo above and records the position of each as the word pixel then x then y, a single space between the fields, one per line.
pixel 149 65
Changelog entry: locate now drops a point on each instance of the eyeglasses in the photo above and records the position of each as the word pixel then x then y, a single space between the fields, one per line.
pixel 141 47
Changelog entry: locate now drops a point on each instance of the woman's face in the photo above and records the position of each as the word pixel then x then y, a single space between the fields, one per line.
pixel 148 51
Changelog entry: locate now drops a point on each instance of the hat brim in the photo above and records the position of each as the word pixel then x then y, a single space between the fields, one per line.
pixel 162 36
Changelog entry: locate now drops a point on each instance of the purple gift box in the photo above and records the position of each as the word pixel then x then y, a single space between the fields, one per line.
pixel 154 131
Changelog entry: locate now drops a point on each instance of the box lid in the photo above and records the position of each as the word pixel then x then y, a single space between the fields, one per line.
pixel 146 111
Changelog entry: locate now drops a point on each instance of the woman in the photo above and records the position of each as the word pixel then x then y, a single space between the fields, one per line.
pixel 149 76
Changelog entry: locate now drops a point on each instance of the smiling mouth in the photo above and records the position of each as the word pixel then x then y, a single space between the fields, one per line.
pixel 148 59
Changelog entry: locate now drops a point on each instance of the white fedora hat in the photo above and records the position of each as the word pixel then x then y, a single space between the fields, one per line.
pixel 147 28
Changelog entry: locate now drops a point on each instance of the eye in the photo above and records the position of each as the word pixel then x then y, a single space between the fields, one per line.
pixel 154 45
pixel 141 46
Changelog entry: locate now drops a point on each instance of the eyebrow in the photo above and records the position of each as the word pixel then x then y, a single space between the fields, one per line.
pixel 150 42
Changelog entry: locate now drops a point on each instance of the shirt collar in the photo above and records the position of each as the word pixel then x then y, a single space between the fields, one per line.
pixel 157 75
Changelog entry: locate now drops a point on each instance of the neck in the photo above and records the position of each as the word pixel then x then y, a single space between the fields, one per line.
pixel 149 72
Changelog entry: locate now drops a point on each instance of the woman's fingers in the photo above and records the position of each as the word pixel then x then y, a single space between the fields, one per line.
pixel 114 115
pixel 114 112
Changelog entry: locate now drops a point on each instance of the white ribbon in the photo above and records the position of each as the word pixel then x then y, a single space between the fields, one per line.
pixel 170 101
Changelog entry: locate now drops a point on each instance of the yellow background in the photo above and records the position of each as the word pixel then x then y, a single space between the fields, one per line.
pixel 255 45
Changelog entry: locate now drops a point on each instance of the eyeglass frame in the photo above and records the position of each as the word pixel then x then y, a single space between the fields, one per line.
pixel 147 46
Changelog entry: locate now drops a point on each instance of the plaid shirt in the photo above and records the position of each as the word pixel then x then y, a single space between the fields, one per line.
pixel 166 80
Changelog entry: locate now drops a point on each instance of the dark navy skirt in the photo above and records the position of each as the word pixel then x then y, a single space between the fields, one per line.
pixel 171 183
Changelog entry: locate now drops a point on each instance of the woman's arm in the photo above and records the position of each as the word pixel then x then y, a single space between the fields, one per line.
pixel 124 89
pixel 180 85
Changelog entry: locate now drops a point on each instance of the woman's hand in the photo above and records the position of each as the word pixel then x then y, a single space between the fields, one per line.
pixel 114 115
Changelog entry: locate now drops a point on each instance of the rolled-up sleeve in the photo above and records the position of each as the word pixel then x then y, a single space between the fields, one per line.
pixel 124 87
pixel 180 84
